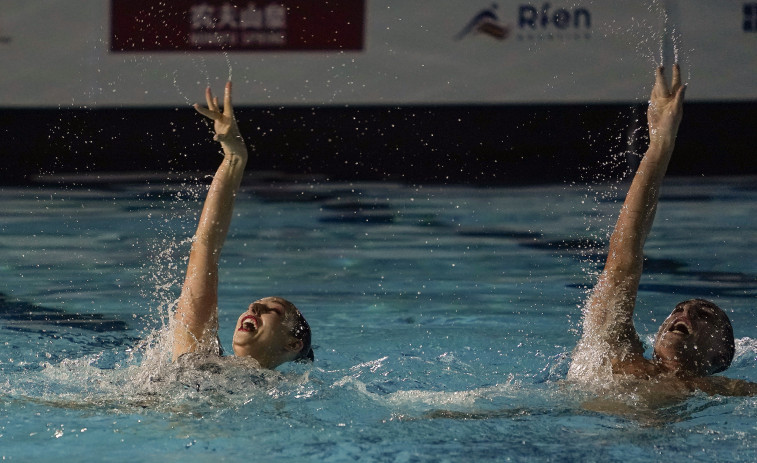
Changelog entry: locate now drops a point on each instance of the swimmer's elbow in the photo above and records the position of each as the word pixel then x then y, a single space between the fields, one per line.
pixel 208 239
pixel 623 269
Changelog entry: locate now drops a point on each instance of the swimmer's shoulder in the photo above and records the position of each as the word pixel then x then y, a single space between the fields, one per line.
pixel 635 365
pixel 721 385
pixel 644 370
pixel 213 361
pixel 200 361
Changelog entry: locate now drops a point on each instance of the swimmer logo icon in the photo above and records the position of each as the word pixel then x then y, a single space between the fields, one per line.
pixel 486 22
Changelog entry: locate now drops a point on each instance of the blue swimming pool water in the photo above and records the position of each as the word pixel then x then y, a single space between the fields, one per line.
pixel 443 321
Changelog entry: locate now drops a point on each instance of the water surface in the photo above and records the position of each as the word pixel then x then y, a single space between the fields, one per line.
pixel 443 322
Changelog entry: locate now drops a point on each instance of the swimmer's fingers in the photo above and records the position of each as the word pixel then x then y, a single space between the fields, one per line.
pixel 677 90
pixel 211 100
pixel 660 89
pixel 228 109
pixel 207 112
pixel 678 97
pixel 212 111
pixel 676 84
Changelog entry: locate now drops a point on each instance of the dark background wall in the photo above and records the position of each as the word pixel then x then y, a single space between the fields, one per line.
pixel 501 145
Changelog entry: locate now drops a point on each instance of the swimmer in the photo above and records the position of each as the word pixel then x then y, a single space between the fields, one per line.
pixel 696 339
pixel 272 330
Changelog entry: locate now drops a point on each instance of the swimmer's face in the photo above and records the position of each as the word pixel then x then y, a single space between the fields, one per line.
pixel 262 332
pixel 695 339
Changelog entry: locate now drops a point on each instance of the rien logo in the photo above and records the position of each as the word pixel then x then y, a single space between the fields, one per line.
pixel 545 17
pixel 533 22
pixel 750 17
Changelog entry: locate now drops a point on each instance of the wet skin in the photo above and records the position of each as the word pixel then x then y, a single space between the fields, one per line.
pixel 263 334
pixel 692 339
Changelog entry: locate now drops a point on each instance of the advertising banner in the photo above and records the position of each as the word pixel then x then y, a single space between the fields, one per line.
pixel 146 25
pixel 145 53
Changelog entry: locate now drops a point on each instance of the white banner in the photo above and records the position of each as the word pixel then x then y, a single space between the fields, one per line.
pixel 58 53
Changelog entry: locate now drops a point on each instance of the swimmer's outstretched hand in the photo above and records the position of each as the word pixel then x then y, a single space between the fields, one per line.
pixel 224 122
pixel 665 108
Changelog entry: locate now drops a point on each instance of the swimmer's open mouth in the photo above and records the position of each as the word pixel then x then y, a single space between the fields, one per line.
pixel 680 328
pixel 249 323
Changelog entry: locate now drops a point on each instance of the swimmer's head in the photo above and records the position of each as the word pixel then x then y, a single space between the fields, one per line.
pixel 696 339
pixel 300 329
pixel 273 331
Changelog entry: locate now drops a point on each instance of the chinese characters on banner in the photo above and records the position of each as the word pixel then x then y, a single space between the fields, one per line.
pixel 182 25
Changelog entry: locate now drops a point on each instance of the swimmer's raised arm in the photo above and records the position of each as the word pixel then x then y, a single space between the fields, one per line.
pixel 196 315
pixel 609 310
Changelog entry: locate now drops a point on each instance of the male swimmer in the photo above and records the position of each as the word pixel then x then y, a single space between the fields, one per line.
pixel 272 331
pixel 696 340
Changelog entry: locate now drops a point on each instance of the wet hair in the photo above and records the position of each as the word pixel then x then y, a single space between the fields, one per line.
pixel 724 359
pixel 299 329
